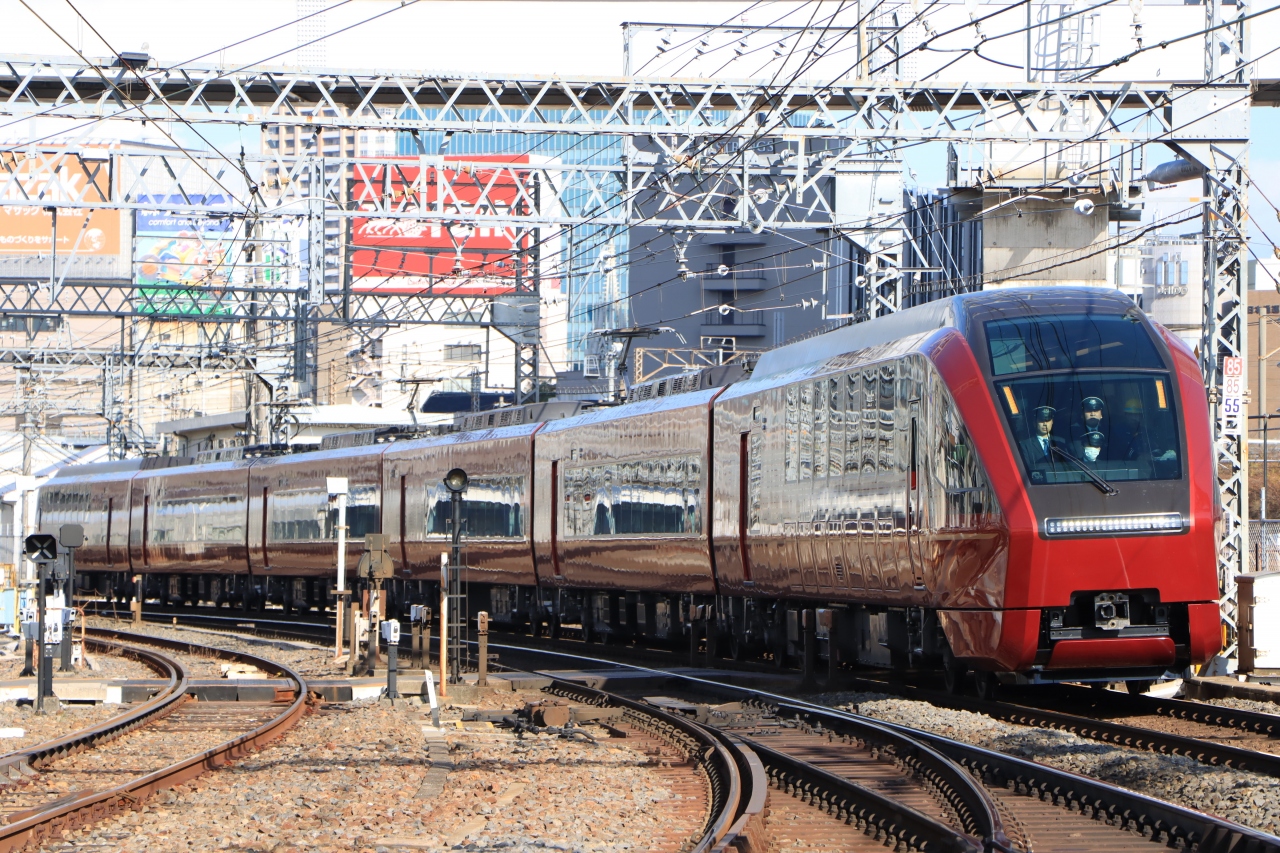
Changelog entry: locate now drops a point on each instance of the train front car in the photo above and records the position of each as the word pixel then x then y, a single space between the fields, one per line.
pixel 1017 483
pixel 1093 425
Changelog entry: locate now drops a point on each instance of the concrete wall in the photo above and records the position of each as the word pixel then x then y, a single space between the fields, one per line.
pixel 1026 243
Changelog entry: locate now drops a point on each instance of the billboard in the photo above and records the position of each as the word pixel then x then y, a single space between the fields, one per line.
pixel 183 262
pixel 410 256
pixel 48 177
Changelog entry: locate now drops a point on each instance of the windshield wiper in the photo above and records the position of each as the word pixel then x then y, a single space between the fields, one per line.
pixel 1102 484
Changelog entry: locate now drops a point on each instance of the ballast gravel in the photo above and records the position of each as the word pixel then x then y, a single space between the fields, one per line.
pixel 105 666
pixel 38 728
pixel 1246 798
pixel 307 659
pixel 351 777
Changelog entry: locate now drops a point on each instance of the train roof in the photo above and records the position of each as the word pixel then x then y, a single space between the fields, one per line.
pixel 951 311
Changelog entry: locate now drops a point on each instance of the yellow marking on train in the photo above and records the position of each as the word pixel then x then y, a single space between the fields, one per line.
pixel 1008 395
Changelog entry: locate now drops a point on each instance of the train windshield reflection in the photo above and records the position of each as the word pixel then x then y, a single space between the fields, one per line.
pixel 1121 426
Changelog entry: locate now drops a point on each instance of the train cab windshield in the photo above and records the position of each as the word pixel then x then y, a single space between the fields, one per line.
pixel 1087 397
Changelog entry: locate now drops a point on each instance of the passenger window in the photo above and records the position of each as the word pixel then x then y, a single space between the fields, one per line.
pixel 820 434
pixel 791 434
pixel 835 424
pixel 806 432
pixel 853 427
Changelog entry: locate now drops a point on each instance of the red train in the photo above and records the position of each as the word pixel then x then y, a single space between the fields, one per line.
pixel 1016 482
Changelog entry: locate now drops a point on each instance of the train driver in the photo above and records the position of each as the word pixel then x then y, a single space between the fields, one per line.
pixel 1038 449
pixel 1133 443
pixel 1088 439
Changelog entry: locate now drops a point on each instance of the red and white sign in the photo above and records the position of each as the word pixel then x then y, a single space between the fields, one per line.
pixel 1232 411
pixel 406 256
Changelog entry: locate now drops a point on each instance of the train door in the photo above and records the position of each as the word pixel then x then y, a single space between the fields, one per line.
pixel 555 519
pixel 266 519
pixel 745 458
pixel 146 529
pixel 914 502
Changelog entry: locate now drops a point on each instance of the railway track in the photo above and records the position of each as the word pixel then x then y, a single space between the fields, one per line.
pixel 906 794
pixel 71 782
pixel 872 780
pixel 1212 734
pixel 1030 806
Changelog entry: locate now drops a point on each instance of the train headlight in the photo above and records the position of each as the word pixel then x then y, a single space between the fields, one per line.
pixel 1163 522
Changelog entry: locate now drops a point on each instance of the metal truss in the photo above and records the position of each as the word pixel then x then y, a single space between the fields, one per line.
pixel 689 108
pixel 757 157
pixel 240 304
pixel 1219 142
pixel 182 359
pixel 653 361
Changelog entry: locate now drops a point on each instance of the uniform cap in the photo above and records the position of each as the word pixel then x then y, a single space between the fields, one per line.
pixel 1133 406
pixel 1091 404
pixel 1044 413
pixel 1093 439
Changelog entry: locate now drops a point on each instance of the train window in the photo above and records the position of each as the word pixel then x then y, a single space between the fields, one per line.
pixel 887 408
pixel 648 496
pixel 1109 424
pixel 835 424
pixel 853 427
pixel 791 435
pixel 821 437
pixel 806 432
pixel 755 478
pixel 491 508
pixel 870 424
pixel 1070 342
pixel 186 517
pixel 965 494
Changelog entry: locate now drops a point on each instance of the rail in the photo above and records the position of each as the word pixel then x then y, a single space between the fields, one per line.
pixel 1120 734
pixel 975 810
pixel 86 807
pixel 21 763
pixel 737 781
pixel 1156 819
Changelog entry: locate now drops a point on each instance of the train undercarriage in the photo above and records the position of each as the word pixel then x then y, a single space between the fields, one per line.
pixel 801 634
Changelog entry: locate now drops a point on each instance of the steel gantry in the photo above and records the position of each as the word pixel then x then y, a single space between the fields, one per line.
pixel 702 154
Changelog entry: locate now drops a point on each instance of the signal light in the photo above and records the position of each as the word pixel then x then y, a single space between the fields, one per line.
pixel 41 547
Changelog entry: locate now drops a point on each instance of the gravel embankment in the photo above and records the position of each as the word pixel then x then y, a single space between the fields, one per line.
pixel 38 728
pixel 307 660
pixel 105 666
pixel 349 776
pixel 1247 798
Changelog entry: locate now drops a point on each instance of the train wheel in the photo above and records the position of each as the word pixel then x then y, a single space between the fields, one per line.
pixel 953 673
pixel 988 686
pixel 1138 686
pixel 737 646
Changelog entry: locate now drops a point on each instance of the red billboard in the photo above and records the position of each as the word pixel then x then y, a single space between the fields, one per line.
pixel 411 256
